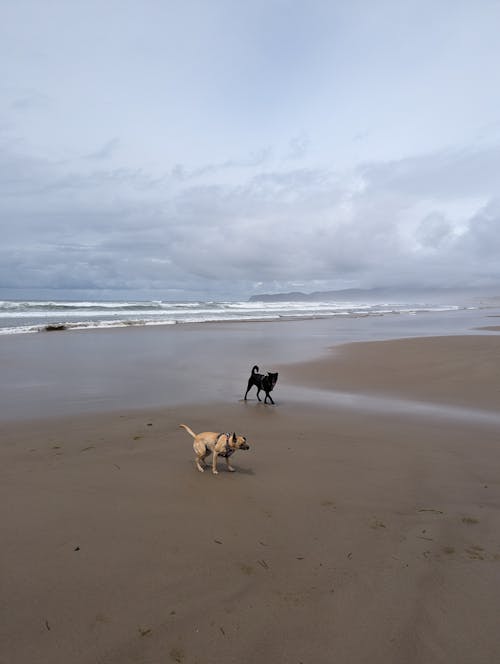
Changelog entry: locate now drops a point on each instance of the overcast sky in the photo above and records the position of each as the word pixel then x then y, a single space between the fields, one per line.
pixel 219 148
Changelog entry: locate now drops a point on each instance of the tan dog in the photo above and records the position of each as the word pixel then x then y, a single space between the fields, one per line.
pixel 218 444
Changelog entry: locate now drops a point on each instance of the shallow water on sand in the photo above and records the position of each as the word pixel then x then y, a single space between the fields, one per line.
pixel 394 406
pixel 63 373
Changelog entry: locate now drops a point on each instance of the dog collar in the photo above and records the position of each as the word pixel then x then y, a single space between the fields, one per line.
pixel 228 451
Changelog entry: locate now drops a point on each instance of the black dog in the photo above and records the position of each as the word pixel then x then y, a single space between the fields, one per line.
pixel 262 382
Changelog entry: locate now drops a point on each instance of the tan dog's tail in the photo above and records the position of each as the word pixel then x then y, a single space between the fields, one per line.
pixel 184 426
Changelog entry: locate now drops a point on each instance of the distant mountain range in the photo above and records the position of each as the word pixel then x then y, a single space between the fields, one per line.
pixel 448 295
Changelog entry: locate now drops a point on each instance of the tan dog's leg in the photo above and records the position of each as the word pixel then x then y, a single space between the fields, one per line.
pixel 201 454
pixel 214 463
pixel 200 463
pixel 229 467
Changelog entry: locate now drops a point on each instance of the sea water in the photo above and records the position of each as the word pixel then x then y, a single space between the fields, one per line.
pixel 27 316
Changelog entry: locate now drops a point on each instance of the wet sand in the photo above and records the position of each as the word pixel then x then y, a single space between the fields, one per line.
pixel 67 373
pixel 458 370
pixel 344 535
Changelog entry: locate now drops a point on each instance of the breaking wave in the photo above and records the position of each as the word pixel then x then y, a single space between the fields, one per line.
pixel 18 317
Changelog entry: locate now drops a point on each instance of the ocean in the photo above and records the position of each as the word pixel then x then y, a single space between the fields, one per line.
pixel 20 317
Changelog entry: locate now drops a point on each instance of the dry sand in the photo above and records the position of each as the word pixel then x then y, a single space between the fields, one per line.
pixel 344 536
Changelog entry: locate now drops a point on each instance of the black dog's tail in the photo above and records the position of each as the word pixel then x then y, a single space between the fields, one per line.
pixel 255 369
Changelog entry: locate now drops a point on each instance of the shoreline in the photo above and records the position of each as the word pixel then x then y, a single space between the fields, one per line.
pixel 389 376
pixel 80 326
pixel 30 316
pixel 48 375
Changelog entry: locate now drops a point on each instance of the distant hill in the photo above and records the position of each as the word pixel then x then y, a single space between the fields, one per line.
pixel 412 294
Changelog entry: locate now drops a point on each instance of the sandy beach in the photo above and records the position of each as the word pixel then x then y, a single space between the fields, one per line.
pixel 346 535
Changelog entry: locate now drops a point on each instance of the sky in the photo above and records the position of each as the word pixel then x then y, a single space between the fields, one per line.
pixel 216 149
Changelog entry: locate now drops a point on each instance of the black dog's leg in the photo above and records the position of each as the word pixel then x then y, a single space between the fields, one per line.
pixel 268 396
pixel 258 392
pixel 249 387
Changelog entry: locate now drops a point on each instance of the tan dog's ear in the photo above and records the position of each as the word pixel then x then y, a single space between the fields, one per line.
pixel 234 436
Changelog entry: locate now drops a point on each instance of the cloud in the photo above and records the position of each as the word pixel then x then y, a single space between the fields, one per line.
pixel 28 99
pixel 298 147
pixel 457 172
pixel 428 220
pixel 482 237
pixel 106 151
pixel 434 231
pixel 254 160
pixel 264 145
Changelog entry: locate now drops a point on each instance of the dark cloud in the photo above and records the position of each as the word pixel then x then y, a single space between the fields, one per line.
pixel 382 224
pixel 434 231
pixel 273 143
pixel 482 237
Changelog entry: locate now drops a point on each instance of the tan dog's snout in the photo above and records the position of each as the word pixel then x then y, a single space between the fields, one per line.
pixel 241 443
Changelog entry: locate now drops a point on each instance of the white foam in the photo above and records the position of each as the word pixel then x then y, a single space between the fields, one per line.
pixel 31 316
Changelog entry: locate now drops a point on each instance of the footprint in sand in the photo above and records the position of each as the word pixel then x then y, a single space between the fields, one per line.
pixel 247 569
pixel 177 655
pixel 470 520
pixel 430 509
pixel 475 552
pixel 102 618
